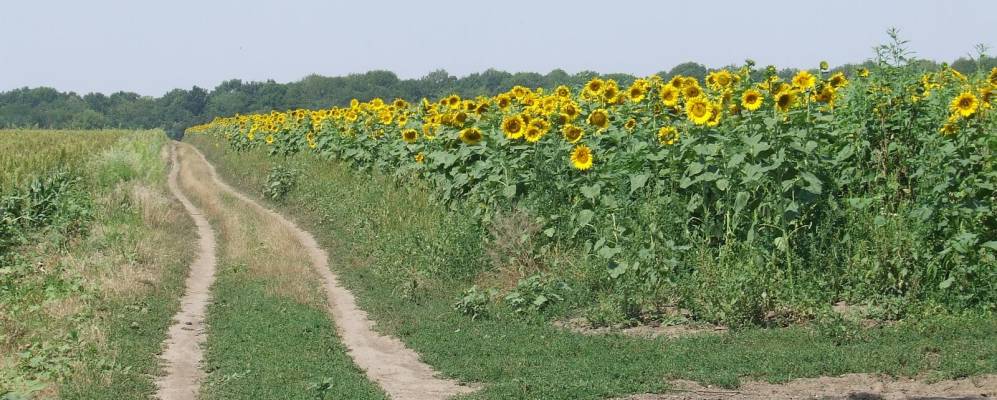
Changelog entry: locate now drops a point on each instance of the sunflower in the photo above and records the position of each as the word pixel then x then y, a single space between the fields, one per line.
pixel 533 134
pixel 838 80
pixel 965 104
pixel 594 87
pixel 503 101
pixel 420 158
pixel 581 157
pixel 669 95
pixel 785 100
pixel 268 139
pixel 677 81
pixel 610 92
pixel 410 135
pixel 863 72
pixel 718 80
pixel 691 90
pixel 399 103
pixel 599 118
pixel 570 109
pixel 668 135
pixel 630 124
pixel 453 101
pixel 804 80
pixel 637 91
pixel 698 110
pixel 826 95
pixel 562 92
pixel 470 135
pixel 715 114
pixel 429 130
pixel 512 126
pixel 993 76
pixel 752 99
pixel 572 133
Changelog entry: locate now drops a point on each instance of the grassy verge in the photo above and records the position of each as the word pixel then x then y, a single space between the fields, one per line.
pixel 407 260
pixel 269 334
pixel 85 310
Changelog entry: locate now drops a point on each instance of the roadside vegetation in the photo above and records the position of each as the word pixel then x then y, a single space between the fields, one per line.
pixel 92 256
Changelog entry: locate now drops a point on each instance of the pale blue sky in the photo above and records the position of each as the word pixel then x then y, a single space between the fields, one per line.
pixel 152 46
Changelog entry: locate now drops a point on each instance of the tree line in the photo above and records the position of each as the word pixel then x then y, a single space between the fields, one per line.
pixel 178 109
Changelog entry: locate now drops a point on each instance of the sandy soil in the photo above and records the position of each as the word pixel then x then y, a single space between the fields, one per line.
pixel 849 386
pixel 182 353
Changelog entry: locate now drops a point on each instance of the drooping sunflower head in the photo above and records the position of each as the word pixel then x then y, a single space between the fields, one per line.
pixel 838 80
pixel 581 157
pixel 513 126
pixel 669 95
pixel 804 80
pixel 751 99
pixel 572 133
pixel 429 130
pixel 410 135
pixel 698 110
pixel 785 100
pixel 965 104
pixel 599 118
pixel 668 135
pixel 470 135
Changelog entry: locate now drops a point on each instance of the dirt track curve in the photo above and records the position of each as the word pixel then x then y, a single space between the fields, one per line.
pixel 182 353
pixel 385 359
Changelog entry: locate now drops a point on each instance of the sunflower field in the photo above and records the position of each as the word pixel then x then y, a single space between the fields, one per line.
pixel 735 196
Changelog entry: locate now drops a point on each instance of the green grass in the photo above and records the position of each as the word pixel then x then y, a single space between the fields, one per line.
pixel 262 346
pixel 375 231
pixel 105 346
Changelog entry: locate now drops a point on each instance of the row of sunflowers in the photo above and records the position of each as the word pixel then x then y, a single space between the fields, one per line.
pixel 638 173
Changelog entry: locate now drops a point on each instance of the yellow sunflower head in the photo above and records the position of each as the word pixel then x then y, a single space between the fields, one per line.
pixel 581 157
pixel 965 104
pixel 691 90
pixel 420 158
pixel 669 95
pixel 562 92
pixel 572 133
pixel 993 76
pixel 599 118
pixel 570 109
pixel 269 139
pixel 751 99
pixel 804 80
pixel 785 100
pixel 630 124
pixel 513 127
pixel 668 135
pixel 470 135
pixel 698 110
pixel 503 101
pixel 594 87
pixel 533 133
pixel 410 135
pixel 637 91
pixel 453 101
pixel 863 72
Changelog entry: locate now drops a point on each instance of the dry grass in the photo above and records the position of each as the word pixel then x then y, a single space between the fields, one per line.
pixel 267 249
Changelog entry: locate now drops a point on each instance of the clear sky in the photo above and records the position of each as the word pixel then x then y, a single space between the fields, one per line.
pixel 151 46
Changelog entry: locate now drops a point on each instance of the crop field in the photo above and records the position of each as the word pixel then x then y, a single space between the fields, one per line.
pixel 745 232
pixel 744 199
